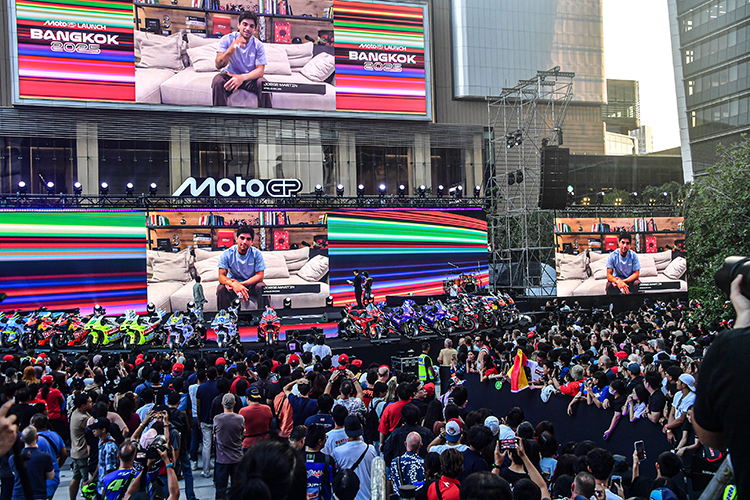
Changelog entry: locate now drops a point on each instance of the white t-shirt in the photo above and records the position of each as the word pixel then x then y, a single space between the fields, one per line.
pixel 321 351
pixel 442 447
pixel 347 455
pixel 336 437
pixel 682 404
pixel 193 393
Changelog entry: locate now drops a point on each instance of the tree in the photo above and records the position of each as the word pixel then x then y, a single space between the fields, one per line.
pixel 717 224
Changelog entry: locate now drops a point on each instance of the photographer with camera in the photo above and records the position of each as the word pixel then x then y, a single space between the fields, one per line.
pixel 155 458
pixel 160 435
pixel 719 405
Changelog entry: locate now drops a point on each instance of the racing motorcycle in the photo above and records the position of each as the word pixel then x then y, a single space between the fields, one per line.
pixel 269 326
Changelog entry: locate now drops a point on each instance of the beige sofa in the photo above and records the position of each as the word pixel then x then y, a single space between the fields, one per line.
pixel 178 69
pixel 583 274
pixel 171 277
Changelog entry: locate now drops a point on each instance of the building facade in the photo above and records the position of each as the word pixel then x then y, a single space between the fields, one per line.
pixel 711 53
pixel 622 113
pixel 470 57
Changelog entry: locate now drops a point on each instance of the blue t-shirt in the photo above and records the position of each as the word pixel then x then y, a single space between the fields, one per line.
pixel 324 419
pixel 117 481
pixel 623 267
pixel 241 267
pixel 37 466
pixel 243 60
pixel 302 408
pixel 319 475
pixel 45 446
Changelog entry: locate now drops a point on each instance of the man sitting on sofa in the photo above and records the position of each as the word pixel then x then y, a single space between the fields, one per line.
pixel 241 270
pixel 242 59
pixel 623 268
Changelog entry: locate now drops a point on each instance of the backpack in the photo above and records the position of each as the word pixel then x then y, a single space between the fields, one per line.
pixel 282 421
pixel 371 434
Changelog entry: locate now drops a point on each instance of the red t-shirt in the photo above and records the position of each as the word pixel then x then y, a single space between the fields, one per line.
pixel 53 401
pixel 257 423
pixel 391 417
pixel 571 388
pixel 450 489
pixel 233 388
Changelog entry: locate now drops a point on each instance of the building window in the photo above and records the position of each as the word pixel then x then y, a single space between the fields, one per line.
pixel 687 25
pixel 693 120
pixel 689 55
pixel 378 165
pixel 210 159
pixel 447 167
pixel 37 161
pixel 139 162
pixel 690 87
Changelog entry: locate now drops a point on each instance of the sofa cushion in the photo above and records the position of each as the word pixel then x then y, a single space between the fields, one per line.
pixel 298 54
pixel 571 267
pixel 158 51
pixel 676 268
pixel 648 267
pixel 199 41
pixel 278 63
pixel 160 294
pixel 148 84
pixel 599 269
pixel 662 259
pixel 296 259
pixel 208 269
pixel 170 266
pixel 275 266
pixel 315 269
pixel 203 58
pixel 320 67
pixel 201 254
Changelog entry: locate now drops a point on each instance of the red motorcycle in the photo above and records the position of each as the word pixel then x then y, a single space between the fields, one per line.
pixel 357 323
pixel 269 326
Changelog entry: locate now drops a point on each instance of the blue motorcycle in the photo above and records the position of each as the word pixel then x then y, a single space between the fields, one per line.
pixel 435 317
pixel 403 319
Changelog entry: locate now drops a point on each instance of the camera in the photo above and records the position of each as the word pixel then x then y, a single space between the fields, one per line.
pixel 733 266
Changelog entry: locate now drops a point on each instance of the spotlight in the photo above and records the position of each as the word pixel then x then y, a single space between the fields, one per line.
pixel 381 190
pixel 422 191
pixel 511 178
pixel 104 189
pixel 510 141
pixel 129 189
pixel 287 303
pixel 152 189
pixel 459 191
pixel 360 190
pixel 329 301
pixel 633 198
pixel 519 177
pixel 340 190
pixel 545 142
pixel 77 188
pixel 50 188
pixel 440 190
pixel 518 138
pixel 401 191
pixel 21 187
pixel 318 191
pixel 477 191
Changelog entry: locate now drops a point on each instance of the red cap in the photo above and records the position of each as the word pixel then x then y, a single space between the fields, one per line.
pixel 47 379
pixel 357 363
pixel 429 389
pixel 178 367
pixel 343 360
pixel 140 356
pixel 294 360
pixel 43 356
pixel 621 354
pixel 221 361
pixel 8 357
pixel 139 361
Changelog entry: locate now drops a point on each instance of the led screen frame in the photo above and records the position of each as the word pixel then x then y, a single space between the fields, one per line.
pixel 256 112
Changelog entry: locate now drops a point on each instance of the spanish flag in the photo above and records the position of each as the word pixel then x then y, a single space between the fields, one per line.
pixel 517 374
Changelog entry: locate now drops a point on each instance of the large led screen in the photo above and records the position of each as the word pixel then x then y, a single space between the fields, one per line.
pixel 405 252
pixel 322 56
pixel 584 245
pixel 67 260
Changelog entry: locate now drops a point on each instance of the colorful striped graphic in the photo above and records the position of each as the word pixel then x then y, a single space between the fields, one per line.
pixel 76 49
pixel 406 251
pixel 380 58
pixel 64 260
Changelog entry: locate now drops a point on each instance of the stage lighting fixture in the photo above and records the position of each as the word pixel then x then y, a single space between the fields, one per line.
pixel 519 176
pixel 21 187
pixel 287 303
pixel 511 178
pixel 129 189
pixel 152 189
pixel 545 142
pixel 77 188
pixel 340 190
pixel 477 191
pixel 440 190
pixel 50 188
pixel 401 191
pixel 518 138
pixel 381 190
pixel 318 191
pixel 459 191
pixel 329 301
pixel 104 189
pixel 422 191
pixel 360 190
pixel 510 141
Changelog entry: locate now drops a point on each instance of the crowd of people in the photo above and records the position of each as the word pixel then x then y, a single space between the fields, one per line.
pixel 300 422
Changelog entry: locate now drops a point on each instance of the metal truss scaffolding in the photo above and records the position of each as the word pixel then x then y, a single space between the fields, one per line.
pixel 521 121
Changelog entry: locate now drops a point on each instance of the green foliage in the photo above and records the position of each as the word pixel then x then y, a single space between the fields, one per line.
pixel 609 198
pixel 717 224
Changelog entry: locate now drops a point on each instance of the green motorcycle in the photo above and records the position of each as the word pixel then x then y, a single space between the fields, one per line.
pixel 103 331
pixel 145 329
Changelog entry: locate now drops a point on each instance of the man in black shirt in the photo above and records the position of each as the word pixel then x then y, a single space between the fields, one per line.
pixel 395 444
pixel 720 407
pixel 23 410
pixel 657 401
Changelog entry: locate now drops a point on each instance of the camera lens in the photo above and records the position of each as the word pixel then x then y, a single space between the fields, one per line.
pixel 733 266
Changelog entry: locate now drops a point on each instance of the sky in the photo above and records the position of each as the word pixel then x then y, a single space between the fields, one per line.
pixel 637 46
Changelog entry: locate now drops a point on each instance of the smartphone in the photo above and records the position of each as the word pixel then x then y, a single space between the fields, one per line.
pixel 640 450
pixel 616 480
pixel 507 444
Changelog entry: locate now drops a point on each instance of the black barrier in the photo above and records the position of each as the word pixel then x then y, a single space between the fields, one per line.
pixel 587 423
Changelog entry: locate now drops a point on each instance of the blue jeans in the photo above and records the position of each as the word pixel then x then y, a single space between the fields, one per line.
pixel 195 439
pixel 187 473
pixel 222 473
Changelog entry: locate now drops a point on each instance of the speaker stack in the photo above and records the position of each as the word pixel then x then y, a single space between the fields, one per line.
pixel 554 181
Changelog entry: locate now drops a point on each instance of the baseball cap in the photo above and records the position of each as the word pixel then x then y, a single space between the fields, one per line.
pixel 493 424
pixel 43 356
pixel 357 363
pixel 635 368
pixel 294 360
pixel 621 354
pixel 48 379
pixel 689 349
pixel 352 426
pixel 100 423
pixel 8 357
pixel 178 368
pixel 453 430
pixel 221 361
pixel 343 360
pixel 429 388
pixel 253 393
pixel 688 380
pixel 662 494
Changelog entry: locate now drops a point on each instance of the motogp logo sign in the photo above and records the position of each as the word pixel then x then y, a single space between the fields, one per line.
pixel 239 187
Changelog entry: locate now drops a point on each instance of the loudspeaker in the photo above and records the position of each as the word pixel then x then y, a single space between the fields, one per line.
pixel 554 180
